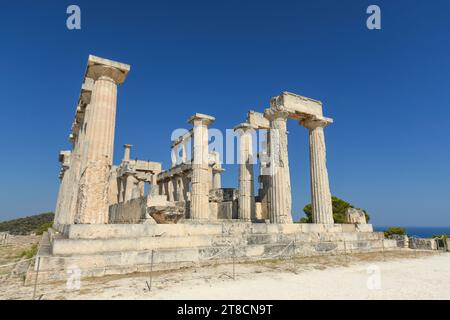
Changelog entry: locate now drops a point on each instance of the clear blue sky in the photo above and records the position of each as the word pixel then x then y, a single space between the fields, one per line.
pixel 388 90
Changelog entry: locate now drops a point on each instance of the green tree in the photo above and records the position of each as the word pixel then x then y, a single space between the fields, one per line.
pixel 443 236
pixel 394 230
pixel 27 225
pixel 339 208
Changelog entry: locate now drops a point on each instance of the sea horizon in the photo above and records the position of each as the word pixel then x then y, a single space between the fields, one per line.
pixel 418 231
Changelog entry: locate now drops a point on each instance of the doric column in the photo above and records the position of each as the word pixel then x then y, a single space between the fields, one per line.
pixel 140 189
pixel 126 152
pixel 279 191
pixel 77 138
pixel 173 156
pixel 171 189
pixel 64 189
pixel 322 210
pixel 246 174
pixel 200 167
pixel 185 182
pixel 217 180
pixel 154 188
pixel 179 188
pixel 184 151
pixel 92 202
pixel 130 185
pixel 264 177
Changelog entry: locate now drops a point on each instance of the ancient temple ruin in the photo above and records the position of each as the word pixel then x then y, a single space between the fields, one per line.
pixel 106 222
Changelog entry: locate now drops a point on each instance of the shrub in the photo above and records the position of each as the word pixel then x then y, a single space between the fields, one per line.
pixel 43 227
pixel 30 253
pixel 394 230
pixel 443 236
pixel 339 208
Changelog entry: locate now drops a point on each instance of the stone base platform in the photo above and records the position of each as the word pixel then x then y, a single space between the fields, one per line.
pixel 99 250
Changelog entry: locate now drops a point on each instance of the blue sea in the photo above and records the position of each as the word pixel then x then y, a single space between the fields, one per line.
pixel 420 232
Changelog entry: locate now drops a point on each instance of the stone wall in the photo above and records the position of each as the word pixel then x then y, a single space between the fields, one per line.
pixel 402 240
pixel 128 212
pixel 423 244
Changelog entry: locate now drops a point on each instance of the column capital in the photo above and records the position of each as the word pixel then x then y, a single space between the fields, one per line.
pixel 315 122
pixel 275 114
pixel 217 169
pixel 244 127
pixel 100 67
pixel 201 119
pixel 126 152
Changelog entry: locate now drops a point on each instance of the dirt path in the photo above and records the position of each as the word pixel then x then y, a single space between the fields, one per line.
pixel 395 275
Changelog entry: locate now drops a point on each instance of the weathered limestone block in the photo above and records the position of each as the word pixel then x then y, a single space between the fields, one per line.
pixel 401 240
pixel 93 194
pixel 228 210
pixel 422 243
pixel 214 210
pixel 354 215
pixel 166 214
pixel 157 200
pixel 132 211
pixel 298 106
pixel 223 194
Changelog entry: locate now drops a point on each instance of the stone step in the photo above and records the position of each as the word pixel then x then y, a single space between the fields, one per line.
pixel 109 231
pixel 100 264
pixel 70 246
pixel 90 246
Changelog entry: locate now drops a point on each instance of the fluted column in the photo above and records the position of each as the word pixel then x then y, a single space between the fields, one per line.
pixel 154 188
pixel 171 189
pixel 217 179
pixel 200 167
pixel 322 210
pixel 264 178
pixel 279 192
pixel 184 152
pixel 246 174
pixel 64 189
pixel 78 137
pixel 92 202
pixel 130 185
pixel 173 156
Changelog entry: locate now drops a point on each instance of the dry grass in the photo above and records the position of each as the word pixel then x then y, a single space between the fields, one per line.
pixel 17 247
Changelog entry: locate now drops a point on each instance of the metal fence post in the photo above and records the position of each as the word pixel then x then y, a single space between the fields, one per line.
pixel 234 268
pixel 149 283
pixel 345 251
pixel 38 262
pixel 293 252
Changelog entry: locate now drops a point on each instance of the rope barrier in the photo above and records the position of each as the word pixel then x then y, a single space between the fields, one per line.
pixel 17 262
